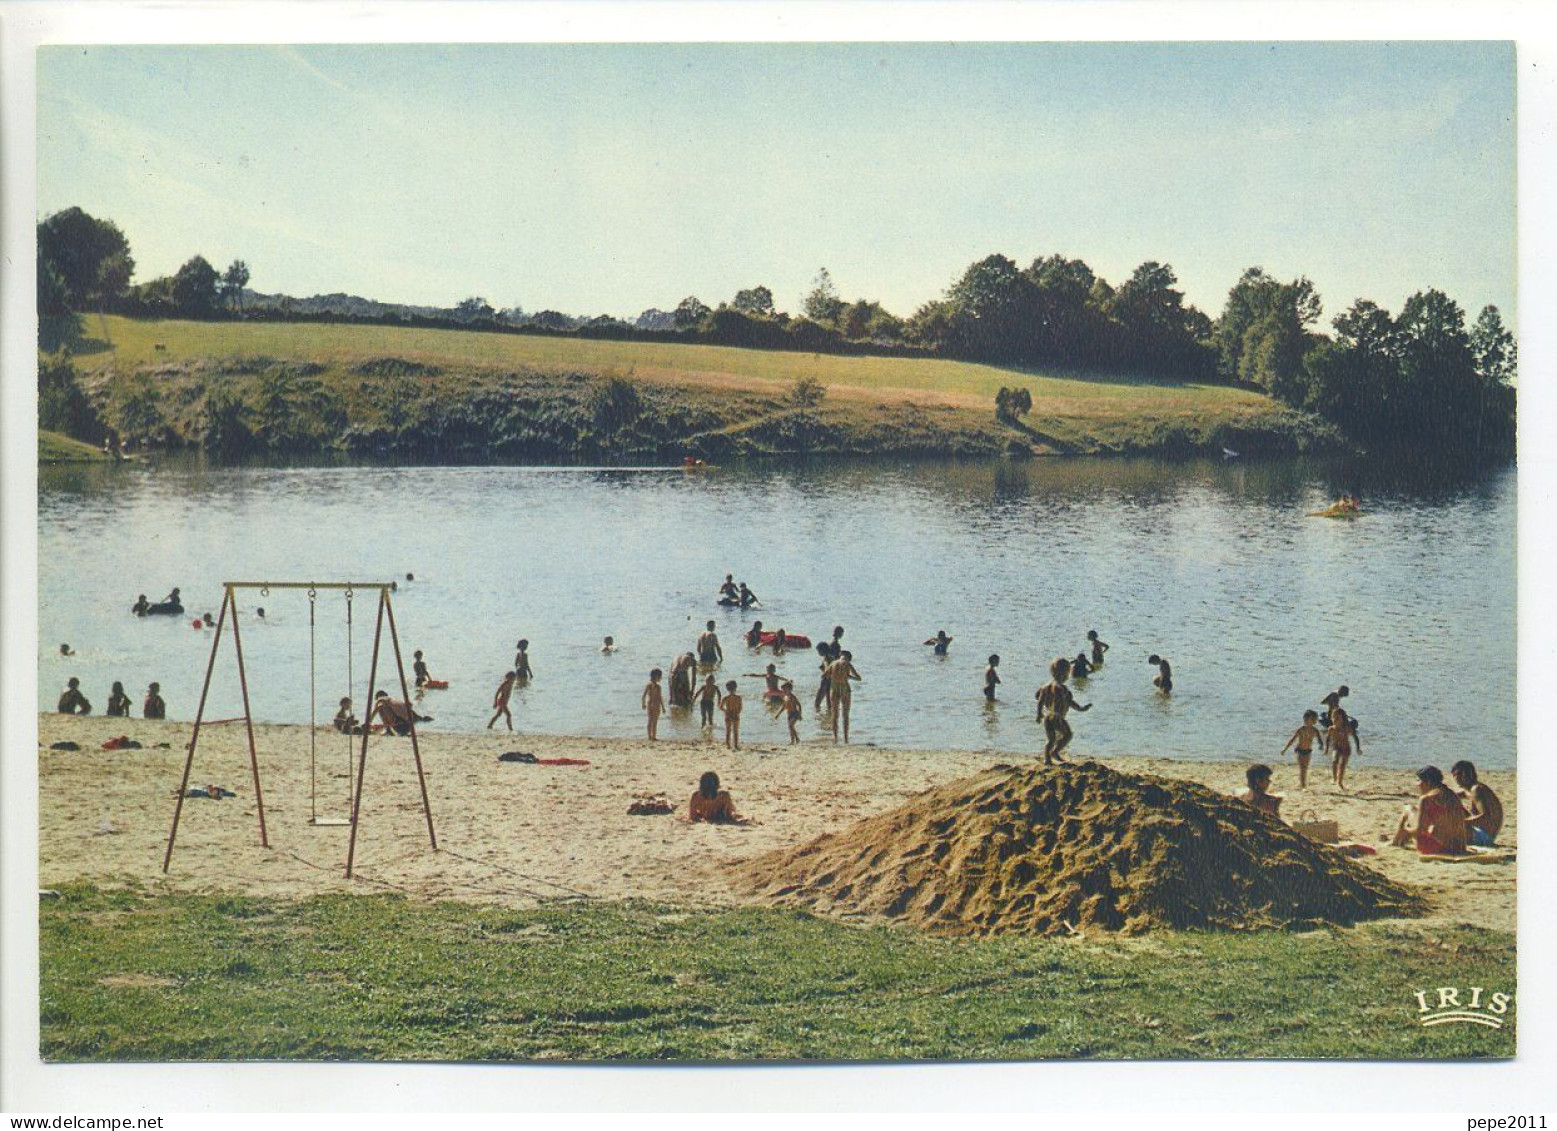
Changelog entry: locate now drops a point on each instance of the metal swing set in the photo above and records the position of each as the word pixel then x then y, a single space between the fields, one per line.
pixel 386 615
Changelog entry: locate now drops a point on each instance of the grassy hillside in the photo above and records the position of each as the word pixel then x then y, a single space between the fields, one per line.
pixel 133 975
pixel 56 448
pixel 515 396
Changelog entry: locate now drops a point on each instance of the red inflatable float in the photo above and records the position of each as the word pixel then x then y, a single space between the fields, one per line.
pixel 791 639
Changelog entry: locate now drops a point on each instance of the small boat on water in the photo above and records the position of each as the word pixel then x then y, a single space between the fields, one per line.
pixel 1338 510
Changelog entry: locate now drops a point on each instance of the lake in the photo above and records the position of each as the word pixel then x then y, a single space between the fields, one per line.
pixel 1260 609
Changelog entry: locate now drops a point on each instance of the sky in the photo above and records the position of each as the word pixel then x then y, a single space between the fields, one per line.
pixel 611 178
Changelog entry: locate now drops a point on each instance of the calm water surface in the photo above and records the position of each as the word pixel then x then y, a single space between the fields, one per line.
pixel 1260 609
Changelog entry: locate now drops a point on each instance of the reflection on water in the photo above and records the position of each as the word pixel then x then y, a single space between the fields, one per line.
pixel 1214 565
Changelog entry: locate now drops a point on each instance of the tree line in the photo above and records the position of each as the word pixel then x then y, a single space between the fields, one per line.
pixel 1422 377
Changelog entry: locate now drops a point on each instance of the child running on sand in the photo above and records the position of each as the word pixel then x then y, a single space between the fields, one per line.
pixel 500 698
pixel 154 707
pixel 791 706
pixel 731 706
pixel 653 702
pixel 991 678
pixel 72 702
pixel 522 671
pixel 1304 737
pixel 1163 681
pixel 1054 703
pixel 1098 648
pixel 1339 739
pixel 708 697
pixel 839 673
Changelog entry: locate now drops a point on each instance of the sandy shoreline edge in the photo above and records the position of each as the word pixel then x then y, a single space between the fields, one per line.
pixel 518 834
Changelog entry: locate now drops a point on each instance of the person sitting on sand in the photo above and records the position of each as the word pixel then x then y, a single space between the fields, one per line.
pixel 991 678
pixel 1163 681
pixel 153 707
pixel 731 706
pixel 790 704
pixel 708 697
pixel 1258 794
pixel 709 650
pixel 1305 737
pixel 396 715
pixel 683 670
pixel 748 598
pixel 1098 648
pixel 500 698
pixel 1340 736
pixel 1080 667
pixel 1054 703
pixel 1436 823
pixel 712 804
pixel 140 606
pixel 940 641
pixel 1483 808
pixel 754 634
pixel 72 702
pixel 608 647
pixel 118 702
pixel 730 591
pixel 839 673
pixel 345 720
pixel 653 702
pixel 522 670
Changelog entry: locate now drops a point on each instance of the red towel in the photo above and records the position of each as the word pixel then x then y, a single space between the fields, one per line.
pixel 562 761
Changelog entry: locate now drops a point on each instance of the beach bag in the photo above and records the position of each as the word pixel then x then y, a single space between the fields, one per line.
pixel 1325 832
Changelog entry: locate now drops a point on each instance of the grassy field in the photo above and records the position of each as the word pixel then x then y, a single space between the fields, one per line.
pixel 735 391
pixel 130 975
pixel 56 448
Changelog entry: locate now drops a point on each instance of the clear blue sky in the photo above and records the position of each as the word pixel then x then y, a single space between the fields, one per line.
pixel 606 179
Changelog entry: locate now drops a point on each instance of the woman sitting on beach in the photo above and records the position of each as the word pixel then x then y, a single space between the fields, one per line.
pixel 712 804
pixel 72 702
pixel 1436 824
pixel 118 702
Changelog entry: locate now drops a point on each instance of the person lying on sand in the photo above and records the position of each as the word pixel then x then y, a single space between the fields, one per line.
pixel 991 678
pixel 500 699
pixel 653 702
pixel 1305 738
pixel 72 702
pixel 396 715
pixel 839 673
pixel 1258 794
pixel 1054 703
pixel 118 702
pixel 1483 808
pixel 731 706
pixel 1163 681
pixel 709 650
pixel 1098 648
pixel 711 804
pixel 153 707
pixel 1340 737
pixel 708 697
pixel 1436 823
pixel 941 642
pixel 791 706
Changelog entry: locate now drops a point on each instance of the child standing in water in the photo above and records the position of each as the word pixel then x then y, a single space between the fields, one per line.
pixel 1304 737
pixel 791 705
pixel 991 678
pixel 731 706
pixel 653 702
pixel 1098 648
pixel 708 698
pixel 419 669
pixel 1163 681
pixel 522 672
pixel 839 673
pixel 941 642
pixel 500 698
pixel 72 702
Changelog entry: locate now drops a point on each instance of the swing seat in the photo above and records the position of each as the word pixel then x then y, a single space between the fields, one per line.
pixel 330 822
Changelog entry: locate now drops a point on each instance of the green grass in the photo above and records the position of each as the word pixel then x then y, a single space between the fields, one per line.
pixel 129 975
pixel 55 447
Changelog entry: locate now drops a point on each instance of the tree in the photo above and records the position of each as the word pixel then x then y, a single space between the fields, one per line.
pixel 195 291
pixel 807 392
pixel 1263 335
pixel 89 257
pixel 614 405
pixel 757 301
pixel 234 279
pixel 690 313
pixel 224 427
pixel 993 307
pixel 1011 404
pixel 822 303
pixel 1495 350
pixel 474 309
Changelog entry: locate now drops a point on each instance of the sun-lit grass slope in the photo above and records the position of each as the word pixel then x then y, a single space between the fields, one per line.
pixel 1072 412
pixel 56 448
pixel 132 975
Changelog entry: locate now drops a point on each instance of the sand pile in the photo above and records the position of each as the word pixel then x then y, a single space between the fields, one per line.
pixel 1041 851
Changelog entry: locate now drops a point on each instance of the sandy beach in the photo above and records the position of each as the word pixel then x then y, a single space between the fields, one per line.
pixel 516 833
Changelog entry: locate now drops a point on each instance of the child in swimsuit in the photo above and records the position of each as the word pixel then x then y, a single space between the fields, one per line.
pixel 522 672
pixel 731 706
pixel 1080 668
pixel 1339 737
pixel 419 669
pixel 791 706
pixel 941 642
pixel 991 677
pixel 653 701
pixel 500 698
pixel 154 707
pixel 708 698
pixel 345 721
pixel 1098 648
pixel 119 702
pixel 1304 737
pixel 1164 679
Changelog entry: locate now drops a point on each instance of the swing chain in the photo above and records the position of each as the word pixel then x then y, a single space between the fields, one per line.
pixel 312 594
pixel 264 591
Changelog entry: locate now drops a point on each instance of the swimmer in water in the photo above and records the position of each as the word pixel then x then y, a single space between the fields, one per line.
pixel 748 598
pixel 260 612
pixel 779 642
pixel 991 678
pixel 210 621
pixel 709 650
pixel 1098 648
pixel 1163 681
pixel 608 647
pixel 140 606
pixel 940 641
pixel 754 635
pixel 522 670
pixel 66 650
pixel 708 697
pixel 653 701
pixel 1305 738
pixel 1080 667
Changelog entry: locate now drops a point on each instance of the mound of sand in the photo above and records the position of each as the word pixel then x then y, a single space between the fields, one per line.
pixel 1041 851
